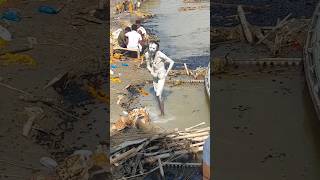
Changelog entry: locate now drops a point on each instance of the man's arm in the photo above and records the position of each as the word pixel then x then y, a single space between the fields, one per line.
pixel 167 60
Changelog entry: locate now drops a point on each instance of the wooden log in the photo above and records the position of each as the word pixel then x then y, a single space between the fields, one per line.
pixel 15 89
pixel 126 144
pixel 186 68
pixel 245 25
pixel 152 159
pixel 281 24
pixel 33 114
pixel 161 168
pixel 260 36
pixel 192 135
pixel 122 156
pixel 136 164
pixel 199 138
pixel 192 127
pixel 55 79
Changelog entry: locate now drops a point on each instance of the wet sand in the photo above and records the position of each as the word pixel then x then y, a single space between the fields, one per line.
pixel 265 126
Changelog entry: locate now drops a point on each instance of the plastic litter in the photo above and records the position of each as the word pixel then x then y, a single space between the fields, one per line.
pixel 125 64
pixel 11 15
pixel 113 66
pixel 5 34
pixel 48 162
pixel 17 59
pixel 111 72
pixel 116 79
pixel 48 10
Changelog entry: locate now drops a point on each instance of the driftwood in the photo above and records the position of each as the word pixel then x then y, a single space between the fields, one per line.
pixel 192 127
pixel 161 168
pixel 245 25
pixel 265 41
pixel 55 79
pixel 33 114
pixel 141 155
pixel 281 24
pixel 186 68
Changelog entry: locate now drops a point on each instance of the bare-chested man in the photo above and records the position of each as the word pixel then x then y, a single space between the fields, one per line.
pixel 156 60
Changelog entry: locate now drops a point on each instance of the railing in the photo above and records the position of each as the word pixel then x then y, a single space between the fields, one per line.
pixel 312 59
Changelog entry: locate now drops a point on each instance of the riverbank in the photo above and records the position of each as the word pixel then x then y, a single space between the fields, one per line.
pixel 70 41
pixel 134 116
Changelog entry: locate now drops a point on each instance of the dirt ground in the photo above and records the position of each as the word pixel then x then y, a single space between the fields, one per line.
pixel 63 44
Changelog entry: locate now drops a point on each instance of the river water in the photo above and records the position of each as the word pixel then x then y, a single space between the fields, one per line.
pixel 184 35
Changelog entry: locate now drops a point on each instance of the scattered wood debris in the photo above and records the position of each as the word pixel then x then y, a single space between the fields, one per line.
pixel 142 156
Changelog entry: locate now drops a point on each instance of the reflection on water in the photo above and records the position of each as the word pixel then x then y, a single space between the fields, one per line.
pixel 183 34
pixel 184 107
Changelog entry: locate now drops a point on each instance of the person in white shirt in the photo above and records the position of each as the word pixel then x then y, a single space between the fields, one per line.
pixel 156 60
pixel 134 38
pixel 145 38
pixel 140 28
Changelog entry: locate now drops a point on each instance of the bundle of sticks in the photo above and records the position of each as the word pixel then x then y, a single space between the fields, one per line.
pixel 143 156
pixel 287 32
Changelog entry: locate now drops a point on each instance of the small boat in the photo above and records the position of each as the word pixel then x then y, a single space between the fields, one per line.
pixel 311 60
pixel 207 81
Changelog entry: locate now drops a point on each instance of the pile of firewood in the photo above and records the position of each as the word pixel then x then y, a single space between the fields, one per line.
pixel 287 32
pixel 143 156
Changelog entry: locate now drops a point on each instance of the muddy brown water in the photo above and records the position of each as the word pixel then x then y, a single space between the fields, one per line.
pixel 265 127
pixel 185 106
pixel 183 34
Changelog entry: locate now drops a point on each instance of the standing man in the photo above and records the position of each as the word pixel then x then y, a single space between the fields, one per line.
pixel 156 65
pixel 134 38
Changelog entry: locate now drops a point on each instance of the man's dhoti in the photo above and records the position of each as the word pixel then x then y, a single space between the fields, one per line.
pixel 158 83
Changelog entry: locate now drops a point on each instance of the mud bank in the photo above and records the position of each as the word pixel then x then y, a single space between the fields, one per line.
pixel 265 118
pixel 64 43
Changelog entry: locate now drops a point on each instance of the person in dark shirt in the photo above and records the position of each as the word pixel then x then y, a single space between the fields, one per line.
pixel 122 39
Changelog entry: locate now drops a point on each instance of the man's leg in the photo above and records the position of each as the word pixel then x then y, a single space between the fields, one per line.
pixel 160 86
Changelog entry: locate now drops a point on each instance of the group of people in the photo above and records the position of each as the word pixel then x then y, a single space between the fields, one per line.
pixel 134 37
pixel 128 5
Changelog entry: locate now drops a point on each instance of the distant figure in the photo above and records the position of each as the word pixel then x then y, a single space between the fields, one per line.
pixel 134 38
pixel 206 160
pixel 140 28
pixel 156 60
pixel 122 39
pixel 142 31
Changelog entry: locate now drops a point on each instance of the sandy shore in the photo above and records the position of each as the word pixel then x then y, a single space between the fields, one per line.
pixel 64 44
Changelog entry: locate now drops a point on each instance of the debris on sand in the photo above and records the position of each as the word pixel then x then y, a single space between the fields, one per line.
pixel 135 118
pixel 141 157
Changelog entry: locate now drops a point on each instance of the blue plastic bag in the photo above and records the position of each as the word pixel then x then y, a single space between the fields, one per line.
pixel 11 15
pixel 113 66
pixel 48 10
pixel 125 64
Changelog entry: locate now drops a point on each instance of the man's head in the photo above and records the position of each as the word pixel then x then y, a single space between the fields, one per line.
pixel 153 47
pixel 138 23
pixel 127 29
pixel 134 27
